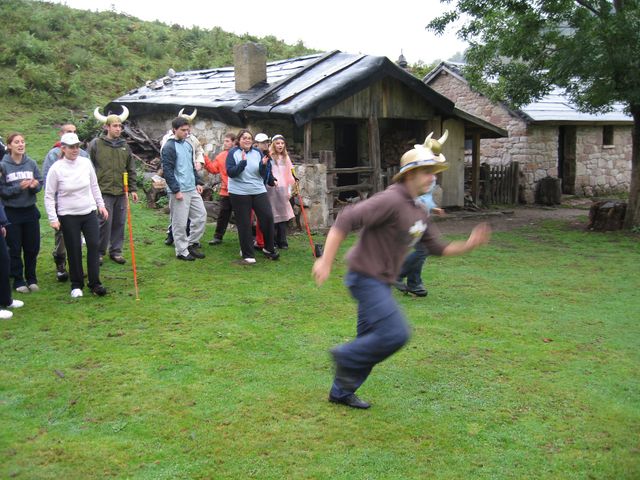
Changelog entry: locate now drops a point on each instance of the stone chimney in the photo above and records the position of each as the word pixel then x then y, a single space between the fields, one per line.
pixel 250 65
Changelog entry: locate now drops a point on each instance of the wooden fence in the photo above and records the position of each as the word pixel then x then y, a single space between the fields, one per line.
pixel 499 183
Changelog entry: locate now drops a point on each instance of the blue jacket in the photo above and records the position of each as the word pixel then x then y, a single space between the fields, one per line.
pixel 169 158
pixel 4 221
pixel 11 174
pixel 243 181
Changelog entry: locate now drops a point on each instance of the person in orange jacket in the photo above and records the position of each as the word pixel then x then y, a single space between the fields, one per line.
pixel 218 165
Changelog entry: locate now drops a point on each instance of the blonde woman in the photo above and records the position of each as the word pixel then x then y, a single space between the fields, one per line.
pixel 280 193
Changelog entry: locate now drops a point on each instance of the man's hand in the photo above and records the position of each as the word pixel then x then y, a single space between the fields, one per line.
pixel 55 225
pixel 480 235
pixel 321 270
pixel 104 213
pixel 438 211
pixel 134 197
pixel 3 231
pixel 265 159
pixel 24 184
pixel 34 183
pixel 179 196
pixel 199 189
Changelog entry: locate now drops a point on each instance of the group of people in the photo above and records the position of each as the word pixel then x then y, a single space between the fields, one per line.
pixel 84 201
pixel 85 196
pixel 256 181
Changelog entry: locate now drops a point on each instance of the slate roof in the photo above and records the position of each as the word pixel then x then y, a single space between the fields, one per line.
pixel 555 108
pixel 299 88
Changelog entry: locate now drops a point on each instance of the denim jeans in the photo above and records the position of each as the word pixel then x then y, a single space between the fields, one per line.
pixel 382 330
pixel 412 267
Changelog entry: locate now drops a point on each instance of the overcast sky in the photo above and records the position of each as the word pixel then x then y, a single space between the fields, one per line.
pixel 371 27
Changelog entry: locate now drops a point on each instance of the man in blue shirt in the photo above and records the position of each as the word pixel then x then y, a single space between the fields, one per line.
pixel 184 188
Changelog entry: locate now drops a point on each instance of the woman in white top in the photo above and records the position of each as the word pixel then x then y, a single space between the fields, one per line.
pixel 71 199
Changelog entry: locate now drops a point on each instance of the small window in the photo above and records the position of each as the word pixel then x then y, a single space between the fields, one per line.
pixel 607 135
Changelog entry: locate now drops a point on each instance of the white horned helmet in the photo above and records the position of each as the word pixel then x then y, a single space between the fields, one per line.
pixel 188 117
pixel 112 117
pixel 427 156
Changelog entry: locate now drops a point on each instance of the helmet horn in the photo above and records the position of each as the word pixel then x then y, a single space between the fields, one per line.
pixel 190 117
pixel 99 117
pixel 124 115
pixel 444 137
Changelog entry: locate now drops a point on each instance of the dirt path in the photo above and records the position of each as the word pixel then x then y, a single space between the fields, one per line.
pixel 515 217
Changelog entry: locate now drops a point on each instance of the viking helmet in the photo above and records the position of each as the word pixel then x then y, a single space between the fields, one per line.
pixel 188 117
pixel 428 156
pixel 111 118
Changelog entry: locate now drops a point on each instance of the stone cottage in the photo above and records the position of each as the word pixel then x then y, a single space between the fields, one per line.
pixel 347 118
pixel 590 153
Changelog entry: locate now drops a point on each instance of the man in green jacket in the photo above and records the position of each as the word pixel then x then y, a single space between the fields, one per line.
pixel 111 158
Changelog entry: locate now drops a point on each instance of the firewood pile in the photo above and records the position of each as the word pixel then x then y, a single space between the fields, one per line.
pixel 394 145
pixel 145 149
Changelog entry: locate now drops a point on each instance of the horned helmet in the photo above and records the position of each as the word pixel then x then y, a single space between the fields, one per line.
pixel 188 117
pixel 112 117
pixel 427 155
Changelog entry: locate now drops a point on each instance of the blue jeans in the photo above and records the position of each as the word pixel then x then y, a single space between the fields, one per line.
pixel 382 330
pixel 412 267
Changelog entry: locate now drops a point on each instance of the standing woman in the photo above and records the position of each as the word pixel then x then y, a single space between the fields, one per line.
pixel 280 193
pixel 6 301
pixel 247 170
pixel 71 199
pixel 20 181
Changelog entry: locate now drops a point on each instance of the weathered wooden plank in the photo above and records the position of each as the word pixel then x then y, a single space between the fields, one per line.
pixel 475 169
pixel 350 170
pixel 348 188
pixel 307 142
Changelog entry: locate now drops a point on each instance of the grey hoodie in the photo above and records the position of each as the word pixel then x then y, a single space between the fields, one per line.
pixel 11 174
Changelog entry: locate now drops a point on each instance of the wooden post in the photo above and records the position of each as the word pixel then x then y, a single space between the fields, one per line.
pixel 475 168
pixel 374 153
pixel 307 142
pixel 329 159
pixel 515 181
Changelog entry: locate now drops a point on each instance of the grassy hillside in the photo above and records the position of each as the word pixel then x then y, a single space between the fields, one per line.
pixel 54 56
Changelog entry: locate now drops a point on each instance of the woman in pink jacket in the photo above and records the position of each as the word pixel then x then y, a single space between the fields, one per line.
pixel 280 194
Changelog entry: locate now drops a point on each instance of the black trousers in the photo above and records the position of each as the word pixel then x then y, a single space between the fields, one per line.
pixel 5 282
pixel 281 234
pixel 72 226
pixel 242 206
pixel 223 217
pixel 23 239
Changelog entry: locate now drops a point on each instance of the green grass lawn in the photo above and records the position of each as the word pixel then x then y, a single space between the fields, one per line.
pixel 523 364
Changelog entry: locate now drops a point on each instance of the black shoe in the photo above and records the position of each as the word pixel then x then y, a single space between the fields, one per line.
pixel 270 255
pixel 418 291
pixel 119 259
pixel 99 290
pixel 187 258
pixel 61 272
pixel 400 286
pixel 215 241
pixel 350 401
pixel 193 250
pixel 169 240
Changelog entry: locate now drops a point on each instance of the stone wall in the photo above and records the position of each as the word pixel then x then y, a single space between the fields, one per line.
pixel 603 169
pixel 599 169
pixel 313 189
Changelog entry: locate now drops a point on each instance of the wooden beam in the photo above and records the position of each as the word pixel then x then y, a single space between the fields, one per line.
pixel 374 153
pixel 307 142
pixel 348 188
pixel 350 170
pixel 475 168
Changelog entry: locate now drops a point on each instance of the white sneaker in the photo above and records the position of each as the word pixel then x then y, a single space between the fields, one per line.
pixel 5 314
pixel 249 261
pixel 23 289
pixel 76 292
pixel 16 304
pixel 34 287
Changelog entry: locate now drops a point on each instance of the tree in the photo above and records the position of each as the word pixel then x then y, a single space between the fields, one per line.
pixel 590 48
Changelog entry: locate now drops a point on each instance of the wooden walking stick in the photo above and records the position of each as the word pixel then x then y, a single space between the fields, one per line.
pixel 133 252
